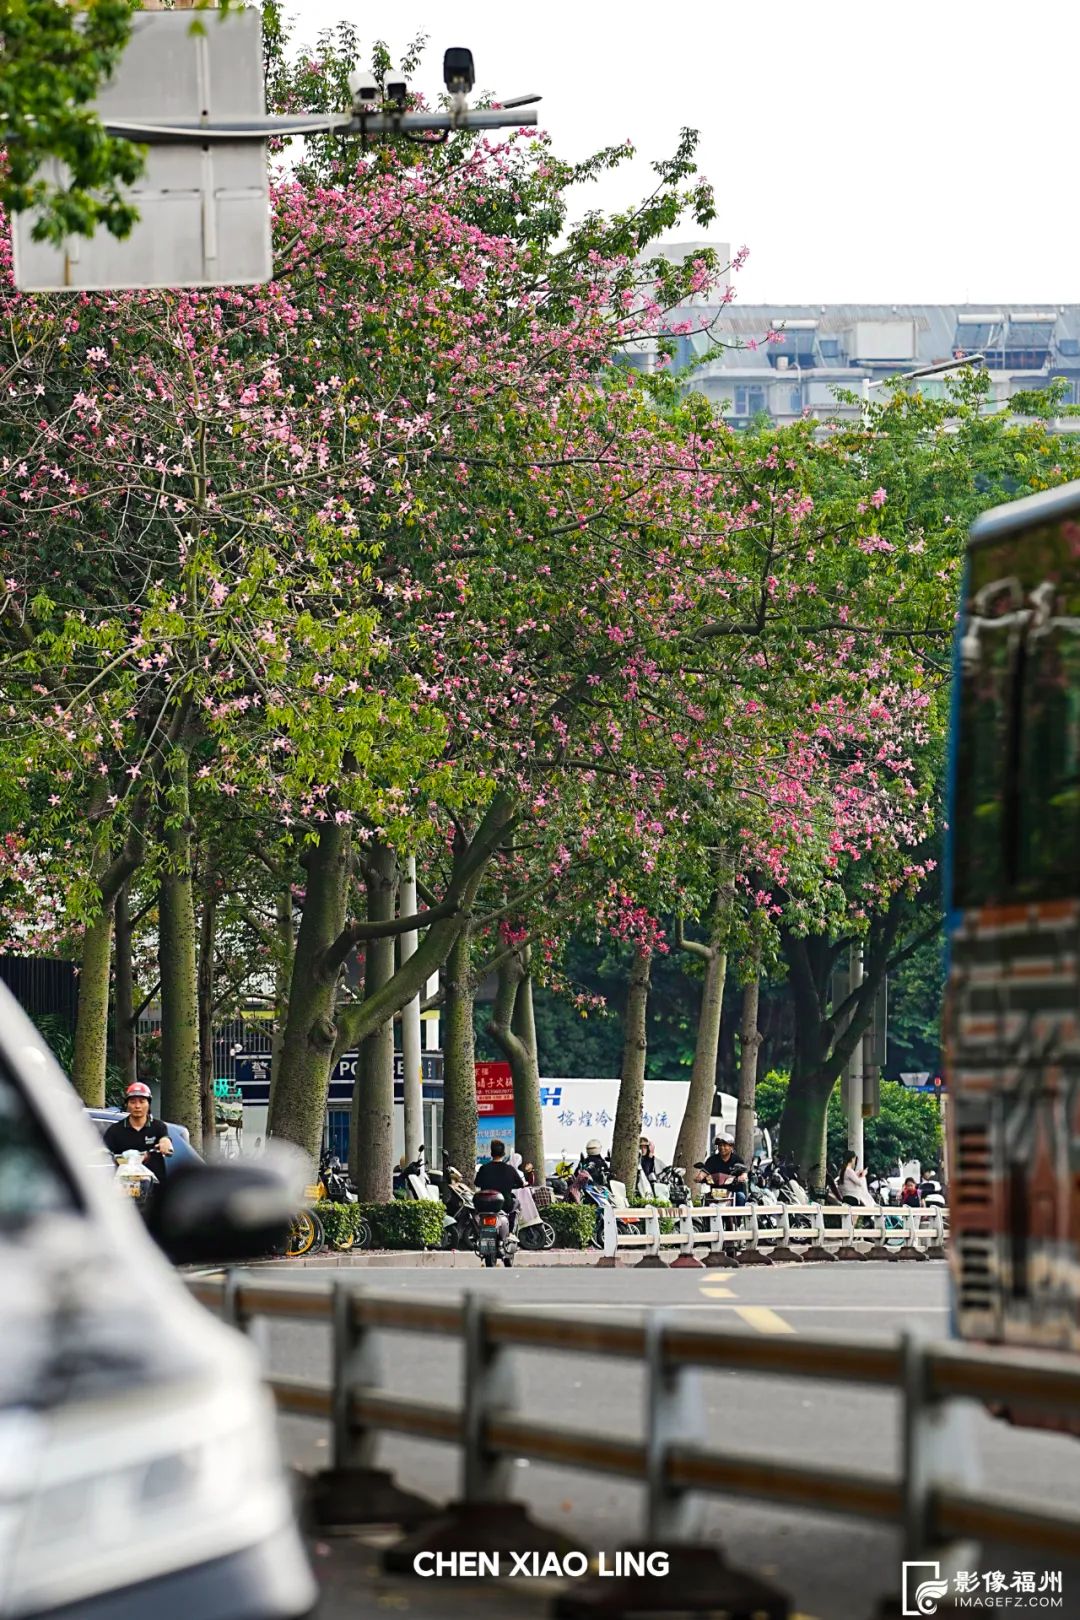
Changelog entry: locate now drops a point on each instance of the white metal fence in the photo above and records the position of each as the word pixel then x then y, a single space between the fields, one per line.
pixel 828 1231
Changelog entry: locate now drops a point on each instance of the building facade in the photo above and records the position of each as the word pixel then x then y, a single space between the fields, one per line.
pixel 824 348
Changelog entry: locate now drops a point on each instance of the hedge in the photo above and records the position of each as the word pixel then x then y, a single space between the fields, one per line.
pixel 667 1222
pixel 337 1219
pixel 398 1225
pixel 573 1224
pixel 405 1224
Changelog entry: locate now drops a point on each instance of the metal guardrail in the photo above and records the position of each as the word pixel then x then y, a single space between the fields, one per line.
pixel 933 1498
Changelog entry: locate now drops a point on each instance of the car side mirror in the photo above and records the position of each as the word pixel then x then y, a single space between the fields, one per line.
pixel 218 1214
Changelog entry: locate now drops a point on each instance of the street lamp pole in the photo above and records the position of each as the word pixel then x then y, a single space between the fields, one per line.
pixel 940 368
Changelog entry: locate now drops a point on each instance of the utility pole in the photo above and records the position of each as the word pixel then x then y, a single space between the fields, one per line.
pixel 853 1089
pixel 410 1027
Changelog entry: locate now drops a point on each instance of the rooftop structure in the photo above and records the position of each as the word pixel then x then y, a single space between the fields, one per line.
pixel 823 347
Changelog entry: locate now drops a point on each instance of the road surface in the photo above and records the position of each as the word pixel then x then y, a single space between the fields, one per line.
pixel 837 1570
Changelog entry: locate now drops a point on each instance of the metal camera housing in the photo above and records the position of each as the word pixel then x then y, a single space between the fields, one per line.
pixel 459 73
pixel 397 91
pixel 364 89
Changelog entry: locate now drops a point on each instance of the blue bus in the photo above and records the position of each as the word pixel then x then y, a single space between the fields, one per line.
pixel 1012 1012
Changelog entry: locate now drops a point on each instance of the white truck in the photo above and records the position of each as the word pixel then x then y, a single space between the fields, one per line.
pixel 577 1111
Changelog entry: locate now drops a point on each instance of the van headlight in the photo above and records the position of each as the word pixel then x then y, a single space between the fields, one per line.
pixel 128 1489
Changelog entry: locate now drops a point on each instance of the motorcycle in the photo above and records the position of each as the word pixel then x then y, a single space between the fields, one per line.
pixel 458 1225
pixel 674 1181
pixel 335 1186
pixel 415 1182
pixel 932 1194
pixel 133 1180
pixel 494 1240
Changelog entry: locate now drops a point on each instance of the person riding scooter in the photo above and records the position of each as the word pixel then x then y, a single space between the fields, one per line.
pixel 723 1168
pixel 594 1161
pixel 140 1132
pixel 497 1175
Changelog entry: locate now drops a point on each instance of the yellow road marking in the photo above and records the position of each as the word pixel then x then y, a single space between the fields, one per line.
pixel 715 1285
pixel 764 1319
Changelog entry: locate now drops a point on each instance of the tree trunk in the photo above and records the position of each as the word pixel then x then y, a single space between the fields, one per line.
pixel 412 1076
pixel 372 1126
pixel 298 1101
pixel 693 1139
pixel 207 937
pixel 628 1110
pixel 284 954
pixel 459 1058
pixel 470 864
pixel 802 1128
pixel 528 1122
pixel 180 1098
pixel 749 1044
pixel 825 1038
pixel 124 1040
pixel 90 1055
pixel 513 1027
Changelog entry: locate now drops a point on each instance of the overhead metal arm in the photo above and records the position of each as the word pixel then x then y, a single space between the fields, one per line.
pixel 199 133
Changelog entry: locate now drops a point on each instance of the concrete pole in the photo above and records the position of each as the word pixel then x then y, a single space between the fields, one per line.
pixel 431 1021
pixel 855 1070
pixel 410 1026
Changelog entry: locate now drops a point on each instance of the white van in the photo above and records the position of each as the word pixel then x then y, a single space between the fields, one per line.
pixel 139 1465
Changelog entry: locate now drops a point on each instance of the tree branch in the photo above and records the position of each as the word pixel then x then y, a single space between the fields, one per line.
pixel 359 933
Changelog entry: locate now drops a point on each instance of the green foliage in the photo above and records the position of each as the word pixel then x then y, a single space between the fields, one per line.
pixel 908 1126
pixel 916 992
pixel 338 1220
pixel 573 1224
pixel 61 1038
pixel 667 1222
pixel 404 1224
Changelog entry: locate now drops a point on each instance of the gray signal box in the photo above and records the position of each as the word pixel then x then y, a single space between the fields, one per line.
pixel 204 210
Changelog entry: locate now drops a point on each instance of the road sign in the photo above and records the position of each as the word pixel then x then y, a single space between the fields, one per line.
pixel 494 1090
pixel 204 209
pixel 923 1081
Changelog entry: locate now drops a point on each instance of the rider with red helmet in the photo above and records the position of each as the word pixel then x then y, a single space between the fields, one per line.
pixel 140 1131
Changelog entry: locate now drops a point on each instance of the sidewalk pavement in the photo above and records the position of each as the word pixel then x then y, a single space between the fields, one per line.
pixel 353 1587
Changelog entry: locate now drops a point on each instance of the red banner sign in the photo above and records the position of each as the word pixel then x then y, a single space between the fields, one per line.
pixel 494 1089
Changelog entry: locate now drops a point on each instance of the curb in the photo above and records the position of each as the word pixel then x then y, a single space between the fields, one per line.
pixel 441 1259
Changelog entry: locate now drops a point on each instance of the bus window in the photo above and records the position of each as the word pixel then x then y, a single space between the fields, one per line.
pixel 1016 833
pixel 989 650
pixel 1048 830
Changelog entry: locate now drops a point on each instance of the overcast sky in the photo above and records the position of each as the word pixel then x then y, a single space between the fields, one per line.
pixel 923 151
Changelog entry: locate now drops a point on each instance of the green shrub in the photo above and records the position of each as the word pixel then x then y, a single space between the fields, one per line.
pixel 405 1223
pixel 338 1220
pixel 635 1200
pixel 573 1224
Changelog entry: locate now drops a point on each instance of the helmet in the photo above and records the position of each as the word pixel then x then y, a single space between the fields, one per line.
pixel 593 1146
pixel 137 1089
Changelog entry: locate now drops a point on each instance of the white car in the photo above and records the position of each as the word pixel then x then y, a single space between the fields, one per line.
pixel 139 1465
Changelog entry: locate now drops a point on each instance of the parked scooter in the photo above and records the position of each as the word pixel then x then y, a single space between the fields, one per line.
pixel 457 1196
pixel 336 1182
pixel 673 1181
pixel 932 1193
pixel 532 1230
pixel 415 1181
